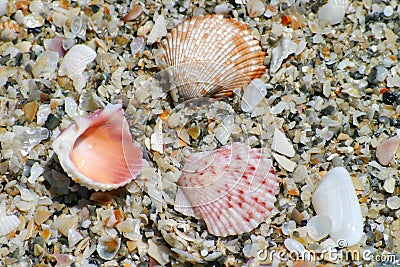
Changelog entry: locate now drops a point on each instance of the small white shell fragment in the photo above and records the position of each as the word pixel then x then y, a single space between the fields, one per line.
pixel 253 94
pixel 333 11
pixel 36 171
pixel 319 227
pixel 284 162
pixel 108 247
pixel 387 149
pixel 336 197
pixel 156 141
pixel 224 130
pixel 159 253
pixel 76 60
pixel 3 7
pixel 282 144
pixel 389 185
pixel 255 8
pixel 8 224
pixel 158 31
pixel 281 52
pixel 294 246
pixel 74 237
pixel 393 202
pixel 388 11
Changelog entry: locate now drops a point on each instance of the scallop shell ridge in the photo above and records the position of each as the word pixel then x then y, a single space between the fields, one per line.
pixel 232 189
pixel 211 56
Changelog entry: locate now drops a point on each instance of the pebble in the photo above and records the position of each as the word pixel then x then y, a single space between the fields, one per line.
pixel 393 202
pixel 388 11
pixel 387 149
pixel 389 185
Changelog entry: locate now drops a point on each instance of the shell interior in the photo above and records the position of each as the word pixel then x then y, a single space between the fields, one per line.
pixel 212 56
pixel 98 152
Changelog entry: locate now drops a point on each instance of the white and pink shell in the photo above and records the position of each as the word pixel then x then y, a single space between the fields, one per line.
pixel 97 151
pixel 232 189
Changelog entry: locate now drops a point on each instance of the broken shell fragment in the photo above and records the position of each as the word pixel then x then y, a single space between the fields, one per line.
pixel 232 189
pixel 319 226
pixel 75 62
pixel 336 198
pixel 97 151
pixel 211 56
pixel 333 11
pixel 387 149
pixel 8 224
pixel 253 95
pixel 108 247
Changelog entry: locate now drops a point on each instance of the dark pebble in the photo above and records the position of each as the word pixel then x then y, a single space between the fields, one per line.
pixel 95 8
pixel 390 98
pixel 328 110
pixel 384 119
pixel 52 122
pixel 356 75
pixel 35 31
pixel 18 59
pixel 4 59
pixel 372 76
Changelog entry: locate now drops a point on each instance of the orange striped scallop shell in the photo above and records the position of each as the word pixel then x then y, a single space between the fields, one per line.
pixel 211 56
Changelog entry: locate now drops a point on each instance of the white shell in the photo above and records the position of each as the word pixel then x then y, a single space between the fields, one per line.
pixel 232 189
pixel 253 94
pixel 284 162
pixel 8 224
pixel 212 56
pixel 97 151
pixel 76 60
pixel 336 197
pixel 319 227
pixel 333 11
pixel 281 144
pixel 108 247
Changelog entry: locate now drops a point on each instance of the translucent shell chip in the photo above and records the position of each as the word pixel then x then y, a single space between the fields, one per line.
pixel 232 189
pixel 97 151
pixel 211 56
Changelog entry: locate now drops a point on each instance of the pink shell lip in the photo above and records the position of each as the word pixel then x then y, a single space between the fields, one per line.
pixel 97 151
pixel 232 189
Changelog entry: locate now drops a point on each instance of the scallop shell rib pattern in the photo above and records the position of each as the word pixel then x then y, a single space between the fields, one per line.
pixel 232 189
pixel 97 151
pixel 211 56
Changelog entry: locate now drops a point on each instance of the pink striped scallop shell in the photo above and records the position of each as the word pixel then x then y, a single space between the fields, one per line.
pixel 232 189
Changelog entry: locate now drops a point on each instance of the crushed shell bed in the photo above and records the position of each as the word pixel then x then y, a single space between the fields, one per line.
pixel 331 89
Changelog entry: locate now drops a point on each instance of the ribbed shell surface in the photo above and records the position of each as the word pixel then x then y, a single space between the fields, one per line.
pixel 211 56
